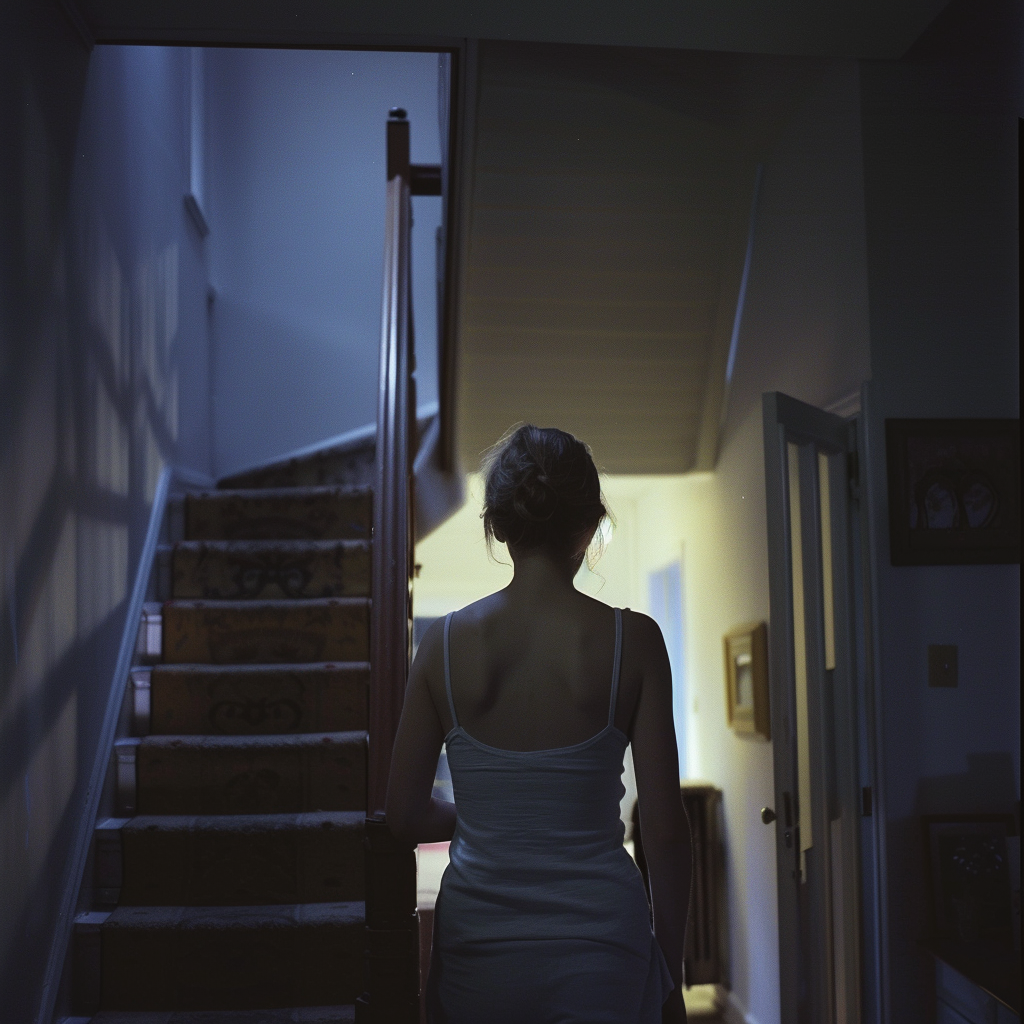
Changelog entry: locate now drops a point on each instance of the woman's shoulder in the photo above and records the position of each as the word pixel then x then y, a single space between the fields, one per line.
pixel 638 625
pixel 643 643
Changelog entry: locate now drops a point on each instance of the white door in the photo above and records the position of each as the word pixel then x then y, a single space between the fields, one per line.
pixel 810 461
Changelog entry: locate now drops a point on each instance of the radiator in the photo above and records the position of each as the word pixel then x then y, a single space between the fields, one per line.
pixel 704 955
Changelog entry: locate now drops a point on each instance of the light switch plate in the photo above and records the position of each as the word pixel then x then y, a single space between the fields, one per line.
pixel 942 665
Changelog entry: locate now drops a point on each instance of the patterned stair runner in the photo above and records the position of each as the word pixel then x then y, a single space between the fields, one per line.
pixel 242 873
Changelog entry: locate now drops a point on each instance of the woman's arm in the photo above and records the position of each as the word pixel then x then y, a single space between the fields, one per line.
pixel 665 829
pixel 413 815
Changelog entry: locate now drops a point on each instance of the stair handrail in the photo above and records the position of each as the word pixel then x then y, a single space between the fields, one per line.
pixel 390 634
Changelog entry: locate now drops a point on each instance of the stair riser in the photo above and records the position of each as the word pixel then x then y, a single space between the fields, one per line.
pixel 207 701
pixel 353 468
pixel 226 633
pixel 323 515
pixel 319 863
pixel 250 779
pixel 214 968
pixel 257 570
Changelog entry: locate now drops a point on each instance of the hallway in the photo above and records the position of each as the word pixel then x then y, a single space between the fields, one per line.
pixel 633 229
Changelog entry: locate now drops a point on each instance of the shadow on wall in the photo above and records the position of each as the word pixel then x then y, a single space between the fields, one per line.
pixel 103 381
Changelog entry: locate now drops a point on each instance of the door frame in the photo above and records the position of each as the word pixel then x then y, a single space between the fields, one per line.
pixel 820 961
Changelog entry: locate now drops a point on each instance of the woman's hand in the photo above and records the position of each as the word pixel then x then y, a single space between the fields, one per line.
pixel 413 814
pixel 673 1010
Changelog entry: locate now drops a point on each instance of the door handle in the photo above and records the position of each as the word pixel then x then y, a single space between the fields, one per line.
pixel 767 815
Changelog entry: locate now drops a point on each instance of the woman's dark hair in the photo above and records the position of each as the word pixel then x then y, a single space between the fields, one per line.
pixel 542 489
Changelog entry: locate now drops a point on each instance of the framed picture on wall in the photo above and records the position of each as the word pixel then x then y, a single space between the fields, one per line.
pixel 746 680
pixel 968 866
pixel 954 491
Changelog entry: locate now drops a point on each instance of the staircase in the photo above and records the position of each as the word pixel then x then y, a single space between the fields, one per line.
pixel 238 867
pixel 248 874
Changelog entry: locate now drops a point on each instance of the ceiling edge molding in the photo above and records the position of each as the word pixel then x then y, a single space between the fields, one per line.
pixel 730 279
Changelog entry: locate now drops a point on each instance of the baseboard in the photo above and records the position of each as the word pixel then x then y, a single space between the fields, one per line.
pixel 192 478
pixel 75 867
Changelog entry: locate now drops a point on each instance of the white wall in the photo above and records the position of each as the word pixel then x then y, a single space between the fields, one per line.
pixel 103 357
pixel 295 194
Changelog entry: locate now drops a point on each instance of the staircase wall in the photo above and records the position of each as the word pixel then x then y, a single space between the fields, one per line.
pixel 103 381
pixel 295 188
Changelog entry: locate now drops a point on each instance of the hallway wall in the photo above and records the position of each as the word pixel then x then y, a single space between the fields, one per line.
pixel 804 332
pixel 940 140
pixel 103 381
pixel 295 199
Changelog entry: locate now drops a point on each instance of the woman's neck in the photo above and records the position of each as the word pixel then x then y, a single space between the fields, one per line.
pixel 539 573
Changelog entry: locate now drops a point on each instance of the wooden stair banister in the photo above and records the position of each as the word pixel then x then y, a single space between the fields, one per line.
pixel 392 506
pixel 392 955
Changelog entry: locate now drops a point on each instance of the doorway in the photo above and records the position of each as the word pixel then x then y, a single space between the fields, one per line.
pixel 818 699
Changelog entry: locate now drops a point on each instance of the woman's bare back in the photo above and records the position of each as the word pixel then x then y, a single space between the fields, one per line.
pixel 536 675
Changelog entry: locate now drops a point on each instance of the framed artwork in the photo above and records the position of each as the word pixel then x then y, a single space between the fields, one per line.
pixel 746 680
pixel 968 868
pixel 954 491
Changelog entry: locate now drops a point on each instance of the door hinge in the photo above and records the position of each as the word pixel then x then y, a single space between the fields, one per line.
pixel 865 802
pixel 853 475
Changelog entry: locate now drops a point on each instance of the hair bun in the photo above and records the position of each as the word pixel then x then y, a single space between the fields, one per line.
pixel 542 488
pixel 535 498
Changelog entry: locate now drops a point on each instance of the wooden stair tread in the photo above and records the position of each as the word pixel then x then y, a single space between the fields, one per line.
pixel 347 914
pixel 312 740
pixel 291 1015
pixel 247 824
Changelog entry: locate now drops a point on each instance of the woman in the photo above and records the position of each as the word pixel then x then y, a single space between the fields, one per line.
pixel 536 690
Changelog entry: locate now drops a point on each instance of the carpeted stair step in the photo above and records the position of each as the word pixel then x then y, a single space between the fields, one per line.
pixel 253 632
pixel 294 513
pixel 239 859
pixel 251 569
pixel 235 958
pixel 295 1015
pixel 278 774
pixel 346 467
pixel 258 699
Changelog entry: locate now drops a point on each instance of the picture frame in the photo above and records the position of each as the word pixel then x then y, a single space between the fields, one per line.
pixel 954 491
pixel 746 680
pixel 968 869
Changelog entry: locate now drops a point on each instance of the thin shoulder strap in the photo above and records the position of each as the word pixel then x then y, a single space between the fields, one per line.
pixel 615 667
pixel 448 668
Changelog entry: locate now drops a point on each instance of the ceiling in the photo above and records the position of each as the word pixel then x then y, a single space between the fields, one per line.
pixel 612 193
pixel 839 28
